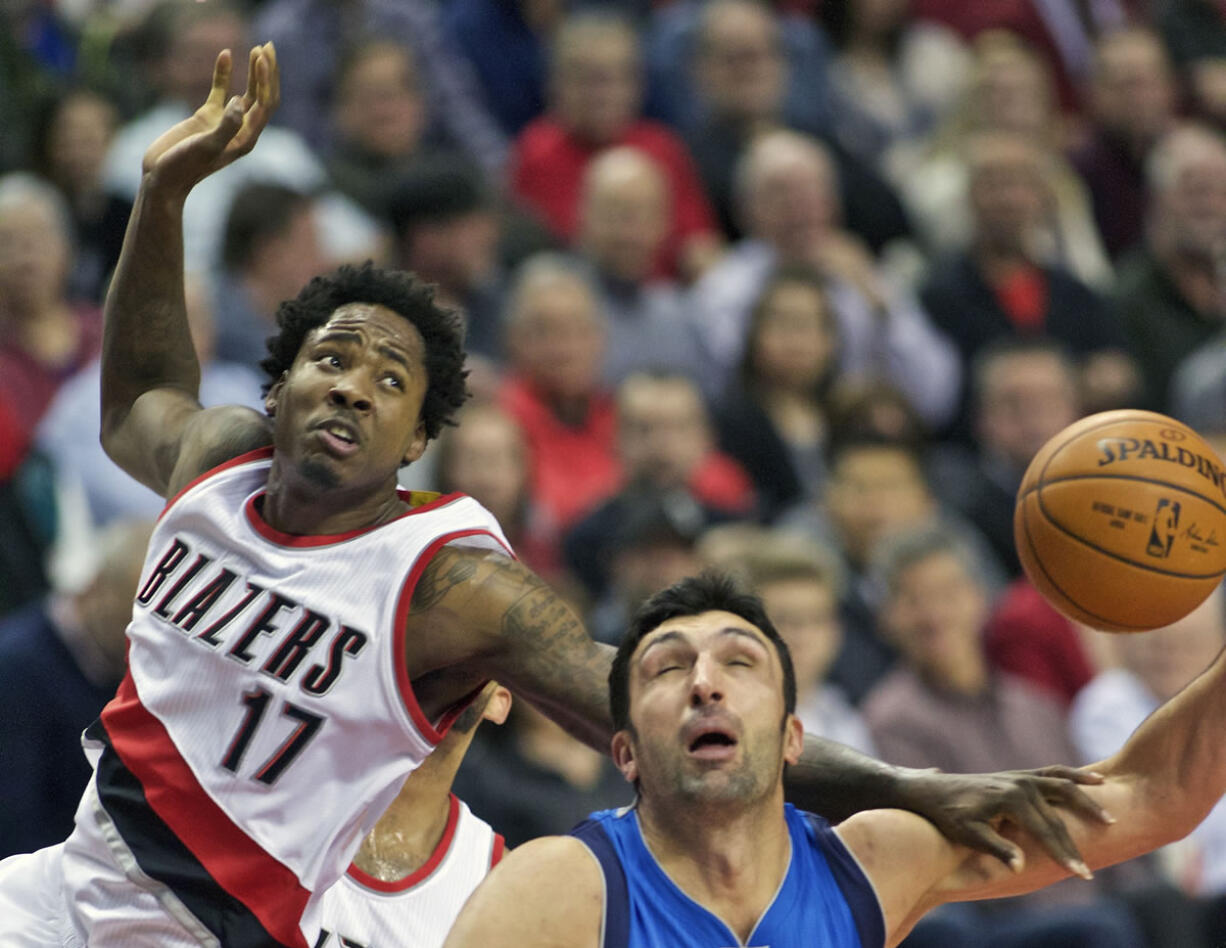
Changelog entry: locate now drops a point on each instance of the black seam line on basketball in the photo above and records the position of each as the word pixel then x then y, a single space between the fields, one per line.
pixel 1121 477
pixel 1116 556
pixel 1034 554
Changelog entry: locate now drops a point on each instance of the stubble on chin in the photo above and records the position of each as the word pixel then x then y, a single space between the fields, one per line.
pixel 319 474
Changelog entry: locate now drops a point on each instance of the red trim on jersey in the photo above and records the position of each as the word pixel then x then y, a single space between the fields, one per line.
pixel 500 846
pixel 400 633
pixel 236 862
pixel 258 454
pixel 326 539
pixel 423 872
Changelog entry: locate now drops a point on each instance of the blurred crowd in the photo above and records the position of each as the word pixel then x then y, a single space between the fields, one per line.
pixel 792 289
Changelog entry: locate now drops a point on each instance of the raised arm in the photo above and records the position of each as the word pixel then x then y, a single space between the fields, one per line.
pixel 1160 785
pixel 152 422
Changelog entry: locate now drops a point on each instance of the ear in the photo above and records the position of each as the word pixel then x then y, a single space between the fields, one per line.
pixel 417 447
pixel 793 739
pixel 623 756
pixel 273 396
pixel 499 705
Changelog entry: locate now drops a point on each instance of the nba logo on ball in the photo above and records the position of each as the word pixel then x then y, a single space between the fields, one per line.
pixel 1166 522
pixel 1121 521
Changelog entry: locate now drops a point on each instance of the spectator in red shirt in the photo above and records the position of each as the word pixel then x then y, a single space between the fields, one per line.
pixel 595 94
pixel 555 343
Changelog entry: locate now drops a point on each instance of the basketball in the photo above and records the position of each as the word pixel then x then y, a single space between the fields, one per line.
pixel 1121 521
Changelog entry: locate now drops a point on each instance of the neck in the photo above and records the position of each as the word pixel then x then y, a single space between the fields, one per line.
pixel 1197 280
pixel 47 330
pixel 729 859
pixel 570 409
pixel 296 507
pixel 968 678
pixel 999 261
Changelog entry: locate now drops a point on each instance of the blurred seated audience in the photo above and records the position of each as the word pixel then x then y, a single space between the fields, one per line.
pixel 595 89
pixel 311 37
pixel 1195 33
pixel 787 191
pixel 1169 295
pixel 69 433
pixel 270 251
pixel 877 486
pixel 743 76
pixel 555 337
pixel 623 220
pixel 71 136
pixel 30 520
pixel 1198 387
pixel 60 662
pixel 773 418
pixel 485 456
pixel 1009 92
pixel 1003 284
pixel 893 75
pixel 191 34
pixel 944 706
pixel 446 225
pixel 1131 104
pixel 666 447
pixel 379 115
pixel 45 335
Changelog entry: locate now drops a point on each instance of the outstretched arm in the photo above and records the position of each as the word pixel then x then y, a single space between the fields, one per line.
pixel 1160 786
pixel 150 374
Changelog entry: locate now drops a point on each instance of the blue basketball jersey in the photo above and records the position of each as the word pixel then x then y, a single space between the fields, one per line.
pixel 825 900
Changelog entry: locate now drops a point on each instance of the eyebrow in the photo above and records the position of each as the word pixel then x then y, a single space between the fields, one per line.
pixel 353 338
pixel 672 636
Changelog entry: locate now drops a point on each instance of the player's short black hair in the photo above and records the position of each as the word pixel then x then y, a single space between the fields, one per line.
pixel 709 592
pixel 402 292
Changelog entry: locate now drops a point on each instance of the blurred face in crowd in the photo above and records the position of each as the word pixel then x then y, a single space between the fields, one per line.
pixel 459 253
pixel 740 65
pixel 486 459
pixel 77 141
pixel 1133 92
pixel 875 490
pixel 663 430
pixel 790 195
pixel 875 17
pixel 556 336
pixel 596 84
pixel 187 69
pixel 642 569
pixel 624 216
pixel 804 611
pixel 1167 659
pixel 1012 92
pixel 1007 193
pixel 378 105
pixel 1025 398
pixel 935 616
pixel 1190 198
pixel 795 339
pixel 286 261
pixel 34 255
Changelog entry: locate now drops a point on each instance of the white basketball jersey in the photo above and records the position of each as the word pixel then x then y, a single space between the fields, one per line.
pixel 267 718
pixel 419 910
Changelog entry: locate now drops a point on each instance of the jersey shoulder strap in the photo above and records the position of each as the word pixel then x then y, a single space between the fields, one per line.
pixel 855 886
pixel 615 925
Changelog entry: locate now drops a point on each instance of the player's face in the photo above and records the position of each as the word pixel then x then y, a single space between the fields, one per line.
pixel 348 413
pixel 707 713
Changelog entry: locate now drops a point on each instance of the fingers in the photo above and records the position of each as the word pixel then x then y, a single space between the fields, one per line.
pixel 221 79
pixel 1071 797
pixel 274 75
pixel 1041 821
pixel 983 837
pixel 249 95
pixel 1075 774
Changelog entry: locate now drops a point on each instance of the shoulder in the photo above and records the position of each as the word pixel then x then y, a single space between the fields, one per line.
pixel 519 902
pixel 214 436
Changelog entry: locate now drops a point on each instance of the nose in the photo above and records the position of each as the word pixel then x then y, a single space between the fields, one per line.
pixel 346 394
pixel 705 687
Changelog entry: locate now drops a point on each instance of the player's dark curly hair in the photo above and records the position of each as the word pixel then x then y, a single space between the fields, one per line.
pixel 711 591
pixel 403 293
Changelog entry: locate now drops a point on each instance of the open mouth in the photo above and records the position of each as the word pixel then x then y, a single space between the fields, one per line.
pixel 339 437
pixel 712 744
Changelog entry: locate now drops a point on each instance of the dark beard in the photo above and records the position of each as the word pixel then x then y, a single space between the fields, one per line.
pixel 319 474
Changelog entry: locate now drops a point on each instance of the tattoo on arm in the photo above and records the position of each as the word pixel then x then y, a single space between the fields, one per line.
pixel 442 575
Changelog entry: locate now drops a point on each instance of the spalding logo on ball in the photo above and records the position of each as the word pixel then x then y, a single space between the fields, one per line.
pixel 1121 520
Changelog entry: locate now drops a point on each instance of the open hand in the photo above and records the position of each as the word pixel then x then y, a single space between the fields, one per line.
pixel 219 131
pixel 968 808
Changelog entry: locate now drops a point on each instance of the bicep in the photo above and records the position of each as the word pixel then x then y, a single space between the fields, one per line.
pixel 548 892
pixel 166 439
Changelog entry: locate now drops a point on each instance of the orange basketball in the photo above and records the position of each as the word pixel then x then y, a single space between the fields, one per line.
pixel 1121 520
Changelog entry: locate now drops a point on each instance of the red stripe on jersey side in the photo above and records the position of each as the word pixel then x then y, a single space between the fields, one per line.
pixel 258 454
pixel 236 862
pixel 273 535
pixel 423 872
pixel 500 847
pixel 400 634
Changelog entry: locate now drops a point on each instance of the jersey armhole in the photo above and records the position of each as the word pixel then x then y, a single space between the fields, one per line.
pixel 615 913
pixel 259 454
pixel 853 883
